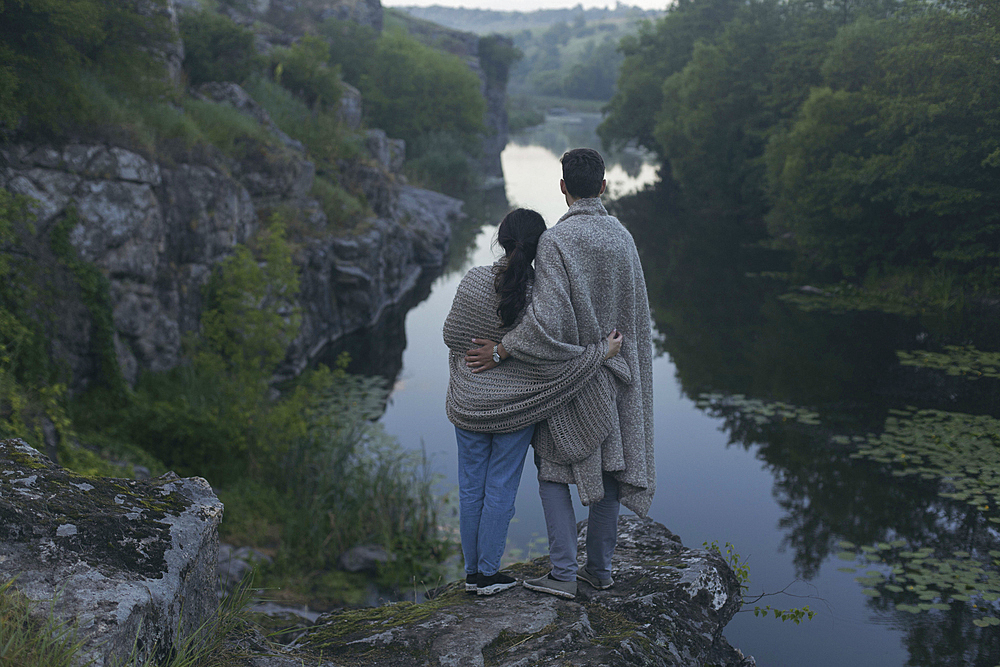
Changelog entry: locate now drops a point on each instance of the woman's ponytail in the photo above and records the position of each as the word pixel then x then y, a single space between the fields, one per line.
pixel 518 235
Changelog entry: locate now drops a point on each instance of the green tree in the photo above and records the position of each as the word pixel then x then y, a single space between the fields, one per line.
pixel 659 50
pixel 412 89
pixel 351 45
pixel 896 161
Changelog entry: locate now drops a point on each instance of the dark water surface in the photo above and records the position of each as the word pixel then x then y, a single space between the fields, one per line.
pixel 760 406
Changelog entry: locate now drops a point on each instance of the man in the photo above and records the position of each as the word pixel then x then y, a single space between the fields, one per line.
pixel 588 281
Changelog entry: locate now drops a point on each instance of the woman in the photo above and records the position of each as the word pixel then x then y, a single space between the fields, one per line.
pixel 495 413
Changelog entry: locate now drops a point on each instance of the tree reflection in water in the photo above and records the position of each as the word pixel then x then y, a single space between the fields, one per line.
pixel 809 389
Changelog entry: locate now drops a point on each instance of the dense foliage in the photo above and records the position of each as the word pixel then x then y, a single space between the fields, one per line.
pixel 865 134
pixel 92 70
pixel 45 46
pixel 578 60
pixel 216 49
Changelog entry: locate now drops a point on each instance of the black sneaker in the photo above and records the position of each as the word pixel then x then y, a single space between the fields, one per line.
pixel 470 582
pixel 494 583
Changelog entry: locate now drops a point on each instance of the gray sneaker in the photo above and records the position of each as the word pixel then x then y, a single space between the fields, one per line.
pixel 546 584
pixel 583 574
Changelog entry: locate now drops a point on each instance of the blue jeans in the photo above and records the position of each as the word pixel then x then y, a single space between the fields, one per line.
pixel 489 472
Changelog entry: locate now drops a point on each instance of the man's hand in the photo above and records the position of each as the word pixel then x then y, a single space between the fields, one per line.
pixel 481 358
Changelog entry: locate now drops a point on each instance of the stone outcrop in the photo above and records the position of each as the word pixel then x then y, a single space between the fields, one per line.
pixel 133 566
pixel 129 563
pixel 156 230
pixel 669 606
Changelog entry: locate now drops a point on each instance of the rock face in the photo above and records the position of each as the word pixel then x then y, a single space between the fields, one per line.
pixel 134 563
pixel 156 230
pixel 669 606
pixel 129 563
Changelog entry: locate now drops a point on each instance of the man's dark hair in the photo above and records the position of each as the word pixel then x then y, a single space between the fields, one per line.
pixel 583 171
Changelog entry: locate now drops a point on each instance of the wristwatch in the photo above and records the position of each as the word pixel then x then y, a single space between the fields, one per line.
pixel 496 354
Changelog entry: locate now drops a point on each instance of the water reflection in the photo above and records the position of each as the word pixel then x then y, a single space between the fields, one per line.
pixel 925 554
pixel 564 131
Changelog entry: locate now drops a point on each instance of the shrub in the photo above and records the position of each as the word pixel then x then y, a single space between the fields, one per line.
pixel 47 44
pixel 303 69
pixel 322 133
pixel 216 49
pixel 339 205
pixel 443 162
pixel 351 46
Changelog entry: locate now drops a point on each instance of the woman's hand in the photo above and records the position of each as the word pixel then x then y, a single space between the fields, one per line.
pixel 615 339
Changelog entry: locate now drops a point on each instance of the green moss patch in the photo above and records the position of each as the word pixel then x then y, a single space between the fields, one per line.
pixel 108 522
pixel 610 627
pixel 495 652
pixel 341 628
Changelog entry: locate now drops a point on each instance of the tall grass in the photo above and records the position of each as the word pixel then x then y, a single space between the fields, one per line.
pixel 351 483
pixel 29 641
pixel 340 206
pixel 321 132
pixel 211 644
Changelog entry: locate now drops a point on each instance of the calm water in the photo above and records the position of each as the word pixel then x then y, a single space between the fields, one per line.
pixel 782 491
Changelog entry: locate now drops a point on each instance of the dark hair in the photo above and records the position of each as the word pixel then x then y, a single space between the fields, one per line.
pixel 583 171
pixel 518 236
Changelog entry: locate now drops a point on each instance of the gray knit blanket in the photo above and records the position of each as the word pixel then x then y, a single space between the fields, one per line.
pixel 588 280
pixel 517 394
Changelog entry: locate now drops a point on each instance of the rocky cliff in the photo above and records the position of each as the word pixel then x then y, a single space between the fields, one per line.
pixel 156 230
pixel 155 227
pixel 125 559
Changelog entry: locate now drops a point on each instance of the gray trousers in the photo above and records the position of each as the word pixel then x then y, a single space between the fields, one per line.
pixel 560 521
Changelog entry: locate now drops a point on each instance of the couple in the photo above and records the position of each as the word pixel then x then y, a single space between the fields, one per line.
pixel 548 373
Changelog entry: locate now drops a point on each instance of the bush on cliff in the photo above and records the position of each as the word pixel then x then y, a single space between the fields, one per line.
pixel 305 70
pixel 216 49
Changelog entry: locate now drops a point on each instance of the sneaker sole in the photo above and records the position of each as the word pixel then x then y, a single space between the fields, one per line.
pixel 550 591
pixel 495 588
pixel 470 588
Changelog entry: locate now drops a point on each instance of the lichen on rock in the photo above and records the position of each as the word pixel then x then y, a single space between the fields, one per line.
pixel 126 562
pixel 669 606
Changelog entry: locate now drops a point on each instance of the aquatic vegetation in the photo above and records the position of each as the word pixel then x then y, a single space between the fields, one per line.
pixel 962 453
pixel 925 579
pixel 962 360
pixel 845 297
pixel 760 411
pixel 960 450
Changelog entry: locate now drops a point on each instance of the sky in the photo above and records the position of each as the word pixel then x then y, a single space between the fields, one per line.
pixel 523 5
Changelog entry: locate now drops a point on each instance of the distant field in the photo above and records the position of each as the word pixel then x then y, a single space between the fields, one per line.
pixel 485 21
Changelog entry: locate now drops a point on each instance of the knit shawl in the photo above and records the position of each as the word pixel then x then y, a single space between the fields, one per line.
pixel 588 280
pixel 517 394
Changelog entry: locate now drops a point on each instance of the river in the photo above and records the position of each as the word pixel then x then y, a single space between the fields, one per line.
pixel 763 409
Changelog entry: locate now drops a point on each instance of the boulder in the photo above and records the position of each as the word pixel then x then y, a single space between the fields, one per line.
pixel 387 153
pixel 669 606
pixel 129 563
pixel 364 558
pixel 235 563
